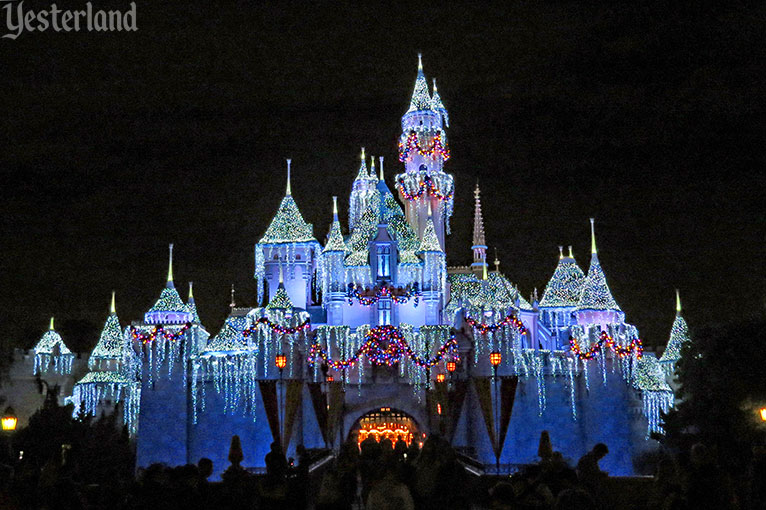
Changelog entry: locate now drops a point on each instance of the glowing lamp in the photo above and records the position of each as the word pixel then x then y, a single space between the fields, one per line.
pixel 762 412
pixel 280 361
pixel 440 377
pixel 451 366
pixel 495 358
pixel 9 420
pixel 330 378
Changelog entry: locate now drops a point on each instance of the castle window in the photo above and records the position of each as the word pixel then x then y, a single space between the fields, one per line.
pixel 384 312
pixel 384 261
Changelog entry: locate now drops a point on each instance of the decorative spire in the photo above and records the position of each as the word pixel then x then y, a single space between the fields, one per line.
pixel 420 98
pixel 571 256
pixel 678 303
pixel 288 192
pixel 372 165
pixel 170 267
pixel 561 252
pixel 110 343
pixel 191 291
pixel 281 276
pixel 362 174
pixel 381 167
pixel 335 237
pixel 430 241
pixel 497 261
pixel 191 305
pixel 233 303
pixel 438 106
pixel 112 307
pixel 595 292
pixel 592 238
pixel 51 326
pixel 288 225
pixel 679 335
pixel 478 220
pixel 484 272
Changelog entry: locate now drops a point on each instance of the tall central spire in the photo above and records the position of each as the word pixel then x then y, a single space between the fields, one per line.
pixel 479 242
pixel 288 192
pixel 592 237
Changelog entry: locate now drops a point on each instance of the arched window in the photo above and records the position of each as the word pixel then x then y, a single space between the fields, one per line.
pixel 384 261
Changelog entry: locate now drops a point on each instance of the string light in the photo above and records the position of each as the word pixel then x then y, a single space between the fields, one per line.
pixel 371 296
pixel 158 331
pixel 425 185
pixel 605 340
pixel 412 142
pixel 488 328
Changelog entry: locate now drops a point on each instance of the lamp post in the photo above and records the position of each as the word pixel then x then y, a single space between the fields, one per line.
pixel 440 378
pixel 495 358
pixel 762 412
pixel 280 360
pixel 9 420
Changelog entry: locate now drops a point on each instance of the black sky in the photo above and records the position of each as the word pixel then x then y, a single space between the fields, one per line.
pixel 648 117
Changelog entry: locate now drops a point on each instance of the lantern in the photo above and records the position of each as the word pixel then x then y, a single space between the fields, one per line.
pixel 329 378
pixel 763 413
pixel 440 377
pixel 280 361
pixel 9 420
pixel 495 358
pixel 451 366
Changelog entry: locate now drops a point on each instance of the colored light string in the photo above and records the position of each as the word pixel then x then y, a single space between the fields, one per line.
pixel 384 345
pixel 158 331
pixel 412 143
pixel 605 340
pixel 425 184
pixel 387 291
pixel 508 320
pixel 276 328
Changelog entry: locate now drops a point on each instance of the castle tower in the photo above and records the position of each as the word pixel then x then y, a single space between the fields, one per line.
pixel 361 192
pixel 679 335
pixel 289 241
pixel 423 149
pixel 596 305
pixel 333 254
pixel 434 272
pixel 479 242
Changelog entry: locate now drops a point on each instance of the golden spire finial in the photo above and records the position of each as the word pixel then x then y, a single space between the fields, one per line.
pixel 233 303
pixel 288 192
pixel 334 208
pixel 497 261
pixel 484 272
pixel 380 158
pixel 678 302
pixel 112 307
pixel 561 252
pixel 571 255
pixel 592 236
pixel 420 62
pixel 363 157
pixel 51 326
pixel 170 264
pixel 191 290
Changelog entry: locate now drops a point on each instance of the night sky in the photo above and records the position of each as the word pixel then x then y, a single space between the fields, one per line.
pixel 649 118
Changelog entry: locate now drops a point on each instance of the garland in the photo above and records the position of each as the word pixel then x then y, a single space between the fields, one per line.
pixel 276 328
pixel 412 143
pixel 605 340
pixel 384 345
pixel 426 183
pixel 387 291
pixel 157 331
pixel 486 328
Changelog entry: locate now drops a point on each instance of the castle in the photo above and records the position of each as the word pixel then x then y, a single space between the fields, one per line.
pixel 371 333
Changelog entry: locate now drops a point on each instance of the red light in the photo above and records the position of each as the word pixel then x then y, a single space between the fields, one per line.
pixel 451 366
pixel 280 361
pixel 440 377
pixel 495 358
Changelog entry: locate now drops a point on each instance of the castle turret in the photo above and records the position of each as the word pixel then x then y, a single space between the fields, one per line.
pixel 561 296
pixel 289 241
pixel 333 282
pixel 169 308
pixel 433 284
pixel 192 305
pixel 423 150
pixel 596 305
pixel 361 193
pixel 479 247
pixel 52 354
pixel 679 335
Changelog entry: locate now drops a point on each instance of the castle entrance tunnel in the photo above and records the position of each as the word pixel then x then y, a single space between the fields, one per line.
pixel 387 423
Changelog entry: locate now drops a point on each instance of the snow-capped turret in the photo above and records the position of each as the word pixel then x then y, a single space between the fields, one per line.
pixel 596 304
pixel 169 308
pixel 421 100
pixel 51 354
pixel 438 106
pixel 111 344
pixel 679 335
pixel 192 305
pixel 565 286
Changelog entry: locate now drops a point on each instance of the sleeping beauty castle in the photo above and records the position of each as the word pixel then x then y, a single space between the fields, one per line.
pixel 368 331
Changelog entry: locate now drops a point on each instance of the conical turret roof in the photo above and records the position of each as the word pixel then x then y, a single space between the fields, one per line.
pixel 363 174
pixel 192 305
pixel 288 225
pixel 438 106
pixel 110 343
pixel 50 342
pixel 430 242
pixel 595 291
pixel 169 300
pixel 335 238
pixel 420 97
pixel 565 286
pixel 679 335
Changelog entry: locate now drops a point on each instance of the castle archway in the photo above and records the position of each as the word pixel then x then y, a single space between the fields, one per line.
pixel 387 423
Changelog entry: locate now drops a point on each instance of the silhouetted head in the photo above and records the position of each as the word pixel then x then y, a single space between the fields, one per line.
pixel 205 467
pixel 600 450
